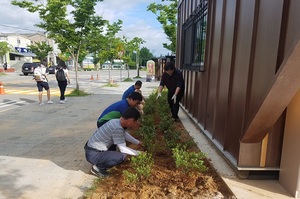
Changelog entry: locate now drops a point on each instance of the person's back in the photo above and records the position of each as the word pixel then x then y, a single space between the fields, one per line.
pixel 131 89
pixel 116 109
pixel 39 74
pixel 62 77
pixel 42 82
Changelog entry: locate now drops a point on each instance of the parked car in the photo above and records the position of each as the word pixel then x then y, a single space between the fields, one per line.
pixel 52 69
pixel 28 68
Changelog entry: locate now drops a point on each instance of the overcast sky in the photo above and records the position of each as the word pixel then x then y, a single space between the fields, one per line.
pixel 137 21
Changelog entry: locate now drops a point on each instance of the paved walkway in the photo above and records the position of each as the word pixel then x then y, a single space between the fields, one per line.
pixel 42 156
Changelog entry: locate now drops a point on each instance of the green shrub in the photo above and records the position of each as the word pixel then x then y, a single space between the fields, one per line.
pixel 142 165
pixel 188 162
pixel 130 177
pixel 172 137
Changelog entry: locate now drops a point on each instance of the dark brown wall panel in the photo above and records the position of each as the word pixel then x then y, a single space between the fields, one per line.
pixel 224 75
pixel 293 25
pixel 265 54
pixel 239 76
pixel 214 65
pixel 189 88
pixel 246 42
pixel 195 95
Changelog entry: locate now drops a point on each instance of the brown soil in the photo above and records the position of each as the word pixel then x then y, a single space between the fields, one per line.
pixel 165 181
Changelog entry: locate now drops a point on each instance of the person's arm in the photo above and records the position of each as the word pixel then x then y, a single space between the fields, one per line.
pixel 124 149
pixel 161 85
pixel 67 76
pixel 177 91
pixel 131 139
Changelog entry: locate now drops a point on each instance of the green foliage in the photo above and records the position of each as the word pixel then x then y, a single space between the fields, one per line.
pixel 172 137
pixel 41 49
pixel 150 104
pixel 142 165
pixel 77 92
pixel 188 162
pixel 69 30
pixel 166 122
pixel 145 55
pixel 166 14
pixel 148 133
pixel 130 177
pixel 4 48
pixel 111 85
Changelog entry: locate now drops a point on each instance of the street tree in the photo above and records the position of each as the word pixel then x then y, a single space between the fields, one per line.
pixel 97 42
pixel 166 14
pixel 69 30
pixel 145 55
pixel 111 42
pixel 134 45
pixel 4 48
pixel 41 49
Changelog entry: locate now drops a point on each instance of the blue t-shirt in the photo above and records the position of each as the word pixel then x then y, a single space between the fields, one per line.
pixel 114 111
pixel 130 90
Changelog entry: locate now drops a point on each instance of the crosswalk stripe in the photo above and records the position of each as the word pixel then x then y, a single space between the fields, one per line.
pixel 54 92
pixel 11 103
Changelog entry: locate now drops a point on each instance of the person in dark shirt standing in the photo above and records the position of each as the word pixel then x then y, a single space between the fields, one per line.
pixel 173 80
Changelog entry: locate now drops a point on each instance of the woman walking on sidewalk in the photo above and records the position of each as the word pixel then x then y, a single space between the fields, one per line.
pixel 62 77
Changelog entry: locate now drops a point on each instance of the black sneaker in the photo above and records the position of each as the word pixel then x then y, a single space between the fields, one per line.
pixel 101 173
pixel 176 119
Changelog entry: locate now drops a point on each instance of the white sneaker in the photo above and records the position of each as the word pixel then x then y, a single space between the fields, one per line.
pixel 65 99
pixel 41 103
pixel 96 168
pixel 49 102
pixel 61 102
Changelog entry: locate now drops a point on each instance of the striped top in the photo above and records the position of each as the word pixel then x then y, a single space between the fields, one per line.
pixel 110 133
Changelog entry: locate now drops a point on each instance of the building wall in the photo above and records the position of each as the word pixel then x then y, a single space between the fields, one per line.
pixel 23 40
pixel 290 163
pixel 246 44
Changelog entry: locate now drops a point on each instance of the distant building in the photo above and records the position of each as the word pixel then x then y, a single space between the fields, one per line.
pixel 20 52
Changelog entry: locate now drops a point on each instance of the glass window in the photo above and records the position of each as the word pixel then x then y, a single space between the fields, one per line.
pixel 195 39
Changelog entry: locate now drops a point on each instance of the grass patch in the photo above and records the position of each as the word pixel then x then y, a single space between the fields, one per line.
pixel 127 80
pixel 2 74
pixel 77 92
pixel 111 85
pixel 136 77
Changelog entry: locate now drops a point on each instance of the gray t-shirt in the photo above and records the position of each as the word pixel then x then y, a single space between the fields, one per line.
pixel 108 134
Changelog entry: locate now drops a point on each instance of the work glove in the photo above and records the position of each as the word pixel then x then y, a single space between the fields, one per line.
pixel 174 98
pixel 158 95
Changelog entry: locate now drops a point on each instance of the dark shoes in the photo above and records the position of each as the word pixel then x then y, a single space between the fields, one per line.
pixel 101 173
pixel 176 119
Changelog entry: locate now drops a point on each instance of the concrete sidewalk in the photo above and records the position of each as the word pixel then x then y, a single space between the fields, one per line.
pixel 42 156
